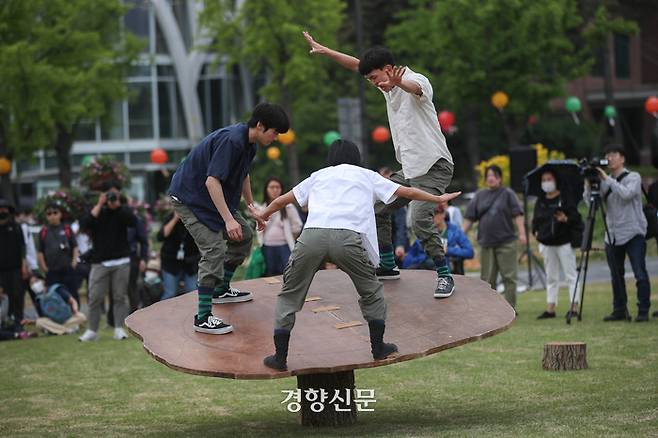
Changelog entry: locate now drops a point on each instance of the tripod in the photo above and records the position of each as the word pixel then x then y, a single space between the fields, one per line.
pixel 595 204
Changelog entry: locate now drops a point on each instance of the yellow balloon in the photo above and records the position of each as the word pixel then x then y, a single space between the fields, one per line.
pixel 287 137
pixel 5 166
pixel 273 153
pixel 499 100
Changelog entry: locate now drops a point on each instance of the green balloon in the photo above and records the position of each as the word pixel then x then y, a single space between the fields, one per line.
pixel 573 104
pixel 610 111
pixel 87 159
pixel 331 137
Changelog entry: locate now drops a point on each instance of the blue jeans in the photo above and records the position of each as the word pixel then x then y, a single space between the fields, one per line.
pixel 636 249
pixel 170 283
pixel 276 259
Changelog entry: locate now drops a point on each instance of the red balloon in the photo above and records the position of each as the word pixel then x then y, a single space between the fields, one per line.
pixel 380 134
pixel 446 120
pixel 651 104
pixel 159 156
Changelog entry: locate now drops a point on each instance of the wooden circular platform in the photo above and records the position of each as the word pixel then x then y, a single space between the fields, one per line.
pixel 417 322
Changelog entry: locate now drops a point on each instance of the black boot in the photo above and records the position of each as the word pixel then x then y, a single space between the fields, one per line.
pixel 380 350
pixel 278 361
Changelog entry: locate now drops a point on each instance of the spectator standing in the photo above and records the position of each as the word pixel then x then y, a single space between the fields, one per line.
pixel 497 209
pixel 137 237
pixel 179 257
pixel 108 224
pixel 556 220
pixel 13 266
pixel 58 251
pixel 621 192
pixel 281 231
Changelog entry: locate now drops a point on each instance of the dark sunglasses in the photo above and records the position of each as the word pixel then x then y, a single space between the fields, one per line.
pixel 52 212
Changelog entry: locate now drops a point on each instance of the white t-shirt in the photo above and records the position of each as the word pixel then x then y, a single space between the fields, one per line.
pixel 342 197
pixel 417 136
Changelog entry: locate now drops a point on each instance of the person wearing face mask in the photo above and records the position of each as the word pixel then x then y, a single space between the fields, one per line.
pixel 61 314
pixel 108 224
pixel 555 223
pixel 13 266
pixel 621 192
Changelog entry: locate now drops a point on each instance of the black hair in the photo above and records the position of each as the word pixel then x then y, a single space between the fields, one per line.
pixel 53 205
pixel 111 184
pixel 266 198
pixel 270 116
pixel 343 152
pixel 375 58
pixel 615 147
pixel 495 169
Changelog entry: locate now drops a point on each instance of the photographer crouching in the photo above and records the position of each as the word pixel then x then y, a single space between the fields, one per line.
pixel 621 192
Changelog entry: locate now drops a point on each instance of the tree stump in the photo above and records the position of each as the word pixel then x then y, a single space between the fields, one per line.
pixel 330 412
pixel 565 356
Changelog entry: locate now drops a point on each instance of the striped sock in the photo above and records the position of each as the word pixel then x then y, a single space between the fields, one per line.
pixel 386 258
pixel 205 302
pixel 228 275
pixel 442 269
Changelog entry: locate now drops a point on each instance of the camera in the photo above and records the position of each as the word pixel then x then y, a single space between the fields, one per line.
pixel 588 169
pixel 112 196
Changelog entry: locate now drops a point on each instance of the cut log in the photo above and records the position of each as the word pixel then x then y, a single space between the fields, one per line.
pixel 331 411
pixel 565 356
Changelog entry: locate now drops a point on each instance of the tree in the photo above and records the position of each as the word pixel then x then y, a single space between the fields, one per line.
pixel 66 61
pixel 472 49
pixel 267 36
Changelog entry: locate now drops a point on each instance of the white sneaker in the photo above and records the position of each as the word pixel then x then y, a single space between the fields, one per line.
pixel 120 333
pixel 88 336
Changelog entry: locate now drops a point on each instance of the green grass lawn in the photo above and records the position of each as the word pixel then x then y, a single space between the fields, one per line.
pixel 495 387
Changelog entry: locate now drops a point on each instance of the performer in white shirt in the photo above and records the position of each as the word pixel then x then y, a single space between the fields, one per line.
pixel 341 229
pixel 420 148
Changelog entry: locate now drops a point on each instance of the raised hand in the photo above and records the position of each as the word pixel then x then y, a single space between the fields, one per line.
pixel 316 48
pixel 394 78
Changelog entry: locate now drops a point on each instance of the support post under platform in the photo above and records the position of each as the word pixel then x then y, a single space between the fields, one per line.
pixel 327 413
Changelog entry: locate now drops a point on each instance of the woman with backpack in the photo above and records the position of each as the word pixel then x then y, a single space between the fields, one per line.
pixel 557 225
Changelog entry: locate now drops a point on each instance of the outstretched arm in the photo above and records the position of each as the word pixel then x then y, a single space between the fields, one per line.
pixel 276 205
pixel 347 61
pixel 420 195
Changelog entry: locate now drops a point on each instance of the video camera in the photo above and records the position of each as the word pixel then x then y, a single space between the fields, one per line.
pixel 112 196
pixel 588 170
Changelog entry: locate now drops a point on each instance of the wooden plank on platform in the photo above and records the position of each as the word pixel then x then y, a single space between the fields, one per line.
pixel 325 309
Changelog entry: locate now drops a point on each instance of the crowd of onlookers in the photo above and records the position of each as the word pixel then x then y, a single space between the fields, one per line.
pixel 108 248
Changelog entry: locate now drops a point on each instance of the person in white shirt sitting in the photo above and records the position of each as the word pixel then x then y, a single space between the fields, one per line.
pixel 341 229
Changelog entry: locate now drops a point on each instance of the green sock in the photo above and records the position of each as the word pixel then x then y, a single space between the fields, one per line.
pixel 386 260
pixel 205 302
pixel 442 268
pixel 228 275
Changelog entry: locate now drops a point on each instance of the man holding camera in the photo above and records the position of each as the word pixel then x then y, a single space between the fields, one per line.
pixel 621 192
pixel 108 223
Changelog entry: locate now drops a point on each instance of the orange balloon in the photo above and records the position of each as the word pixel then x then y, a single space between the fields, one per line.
pixel 287 137
pixel 159 156
pixel 5 166
pixel 651 104
pixel 380 134
pixel 499 100
pixel 273 153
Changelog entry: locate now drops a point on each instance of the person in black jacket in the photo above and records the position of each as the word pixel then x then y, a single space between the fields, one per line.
pixel 555 225
pixel 108 224
pixel 179 257
pixel 13 266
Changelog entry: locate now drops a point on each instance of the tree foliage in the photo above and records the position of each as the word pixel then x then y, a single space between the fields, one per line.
pixel 266 35
pixel 65 60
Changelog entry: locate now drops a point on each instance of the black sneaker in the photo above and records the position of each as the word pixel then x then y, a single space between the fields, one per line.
pixel 644 317
pixel 232 295
pixel 388 274
pixel 546 315
pixel 445 286
pixel 617 317
pixel 571 314
pixel 211 325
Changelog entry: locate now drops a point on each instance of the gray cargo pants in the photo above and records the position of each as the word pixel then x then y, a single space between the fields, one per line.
pixel 342 247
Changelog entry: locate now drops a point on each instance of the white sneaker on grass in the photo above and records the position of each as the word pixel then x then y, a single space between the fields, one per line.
pixel 120 333
pixel 88 336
